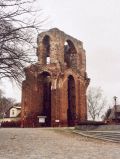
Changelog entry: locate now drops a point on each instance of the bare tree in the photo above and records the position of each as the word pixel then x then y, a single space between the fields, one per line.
pixel 16 37
pixel 96 102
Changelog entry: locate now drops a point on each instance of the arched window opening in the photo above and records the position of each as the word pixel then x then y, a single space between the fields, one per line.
pixel 70 54
pixel 71 112
pixel 46 48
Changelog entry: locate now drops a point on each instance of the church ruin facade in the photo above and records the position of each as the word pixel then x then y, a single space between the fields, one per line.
pixel 55 86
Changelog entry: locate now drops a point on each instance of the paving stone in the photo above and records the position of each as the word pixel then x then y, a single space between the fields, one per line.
pixel 44 143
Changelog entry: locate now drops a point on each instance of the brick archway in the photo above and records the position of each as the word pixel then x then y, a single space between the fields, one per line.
pixel 45 82
pixel 71 112
pixel 56 85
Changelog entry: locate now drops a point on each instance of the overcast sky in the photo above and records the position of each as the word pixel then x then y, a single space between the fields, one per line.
pixel 97 24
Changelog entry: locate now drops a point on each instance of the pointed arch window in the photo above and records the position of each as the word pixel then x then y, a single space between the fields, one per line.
pixel 70 54
pixel 46 49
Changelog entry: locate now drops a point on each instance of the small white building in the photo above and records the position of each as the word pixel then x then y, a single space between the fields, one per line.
pixel 13 114
pixel 15 111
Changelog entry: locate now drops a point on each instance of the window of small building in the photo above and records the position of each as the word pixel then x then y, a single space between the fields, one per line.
pixel 13 112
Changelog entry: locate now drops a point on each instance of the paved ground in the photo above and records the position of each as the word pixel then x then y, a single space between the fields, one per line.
pixel 37 143
pixel 111 136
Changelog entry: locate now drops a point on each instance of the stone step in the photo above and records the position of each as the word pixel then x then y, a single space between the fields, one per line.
pixel 114 139
pixel 109 136
pixel 114 135
pixel 103 134
pixel 98 128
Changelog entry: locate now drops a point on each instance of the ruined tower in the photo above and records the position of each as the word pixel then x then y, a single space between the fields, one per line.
pixel 55 86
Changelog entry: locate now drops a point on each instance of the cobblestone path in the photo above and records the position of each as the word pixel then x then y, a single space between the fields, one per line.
pixel 44 143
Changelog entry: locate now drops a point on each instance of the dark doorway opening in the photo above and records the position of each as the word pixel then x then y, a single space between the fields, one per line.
pixel 71 112
pixel 46 82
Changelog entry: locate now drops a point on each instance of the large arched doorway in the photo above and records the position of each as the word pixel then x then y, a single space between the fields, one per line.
pixel 71 112
pixel 45 79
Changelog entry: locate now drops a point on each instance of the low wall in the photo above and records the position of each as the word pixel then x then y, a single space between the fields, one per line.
pixel 98 127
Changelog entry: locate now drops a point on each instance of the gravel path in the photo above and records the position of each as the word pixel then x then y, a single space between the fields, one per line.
pixel 39 143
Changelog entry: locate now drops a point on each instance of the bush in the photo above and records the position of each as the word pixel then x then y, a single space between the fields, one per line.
pixel 11 124
pixel 92 123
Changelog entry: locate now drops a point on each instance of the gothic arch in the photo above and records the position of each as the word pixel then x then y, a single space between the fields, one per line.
pixel 44 83
pixel 71 111
pixel 70 54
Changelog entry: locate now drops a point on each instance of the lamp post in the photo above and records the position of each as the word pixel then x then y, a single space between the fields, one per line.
pixel 115 99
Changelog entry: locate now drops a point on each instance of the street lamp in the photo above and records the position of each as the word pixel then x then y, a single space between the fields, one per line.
pixel 115 99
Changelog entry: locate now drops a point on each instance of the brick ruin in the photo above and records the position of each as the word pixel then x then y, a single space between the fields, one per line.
pixel 56 85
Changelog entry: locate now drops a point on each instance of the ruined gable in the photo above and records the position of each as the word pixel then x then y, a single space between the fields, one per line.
pixel 56 85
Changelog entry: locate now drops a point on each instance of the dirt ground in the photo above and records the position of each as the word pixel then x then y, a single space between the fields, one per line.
pixel 48 143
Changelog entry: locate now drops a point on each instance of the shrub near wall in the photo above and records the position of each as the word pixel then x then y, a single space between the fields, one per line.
pixel 11 124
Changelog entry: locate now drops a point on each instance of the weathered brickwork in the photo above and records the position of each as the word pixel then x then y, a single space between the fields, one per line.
pixel 56 85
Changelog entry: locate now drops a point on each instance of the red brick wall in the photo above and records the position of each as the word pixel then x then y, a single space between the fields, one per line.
pixel 32 88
